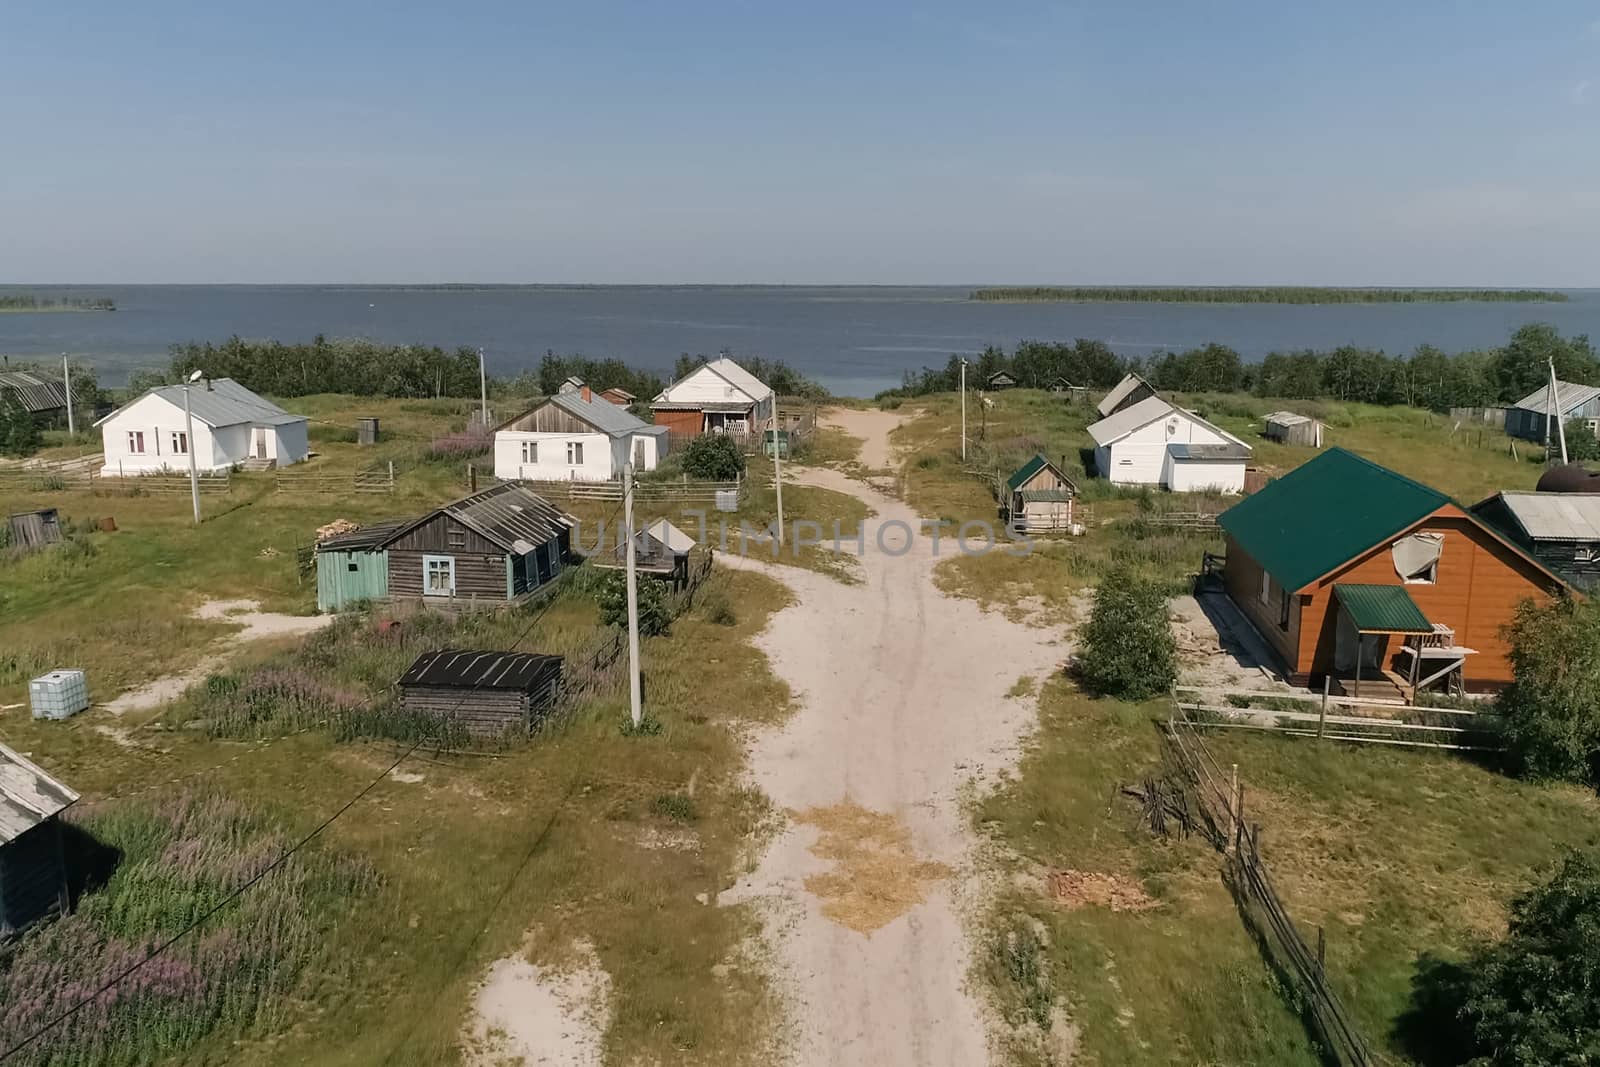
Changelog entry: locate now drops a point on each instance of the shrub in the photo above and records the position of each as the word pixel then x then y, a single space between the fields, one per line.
pixel 1532 999
pixel 1128 650
pixel 679 807
pixel 19 431
pixel 1551 709
pixel 718 610
pixel 464 444
pixel 1582 444
pixel 655 613
pixel 714 457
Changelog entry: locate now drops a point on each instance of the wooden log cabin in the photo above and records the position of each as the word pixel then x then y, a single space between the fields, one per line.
pixel 33 874
pixel 492 694
pixel 1353 572
pixel 498 544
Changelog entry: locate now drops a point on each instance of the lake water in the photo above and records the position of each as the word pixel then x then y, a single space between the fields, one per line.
pixel 855 340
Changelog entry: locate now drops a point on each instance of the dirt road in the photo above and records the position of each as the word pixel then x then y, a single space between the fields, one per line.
pixel 902 704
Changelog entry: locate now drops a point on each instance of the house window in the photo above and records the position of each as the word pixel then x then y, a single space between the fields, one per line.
pixel 456 538
pixel 1283 609
pixel 136 442
pixel 180 443
pixel 575 453
pixel 438 576
pixel 353 567
pixel 530 451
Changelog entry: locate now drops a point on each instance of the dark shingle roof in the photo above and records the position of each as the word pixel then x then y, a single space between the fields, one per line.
pixel 1325 513
pixel 454 668
pixel 36 394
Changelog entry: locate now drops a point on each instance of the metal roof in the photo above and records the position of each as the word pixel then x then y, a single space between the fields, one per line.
pixel 1325 513
pixel 1384 609
pixel 1129 383
pixel 670 537
pixel 1568 396
pixel 1115 427
pixel 716 407
pixel 510 513
pixel 1033 467
pixel 365 539
pixel 756 388
pixel 455 668
pixel 1045 496
pixel 219 402
pixel 1208 453
pixel 603 415
pixel 1556 516
pixel 28 796
pixel 1286 418
pixel 37 394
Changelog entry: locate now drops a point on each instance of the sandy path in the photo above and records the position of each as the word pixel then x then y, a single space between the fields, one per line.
pixel 902 703
pixel 873 427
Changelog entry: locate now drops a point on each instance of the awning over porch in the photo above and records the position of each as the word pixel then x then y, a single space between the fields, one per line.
pixel 1382 609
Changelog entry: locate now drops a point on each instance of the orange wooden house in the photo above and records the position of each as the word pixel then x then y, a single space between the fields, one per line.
pixel 1355 573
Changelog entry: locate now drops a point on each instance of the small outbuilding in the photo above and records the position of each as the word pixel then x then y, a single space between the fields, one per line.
pixel 618 396
pixel 34 529
pixel 1560 530
pixel 43 398
pixel 353 568
pixel 1289 428
pixel 1125 394
pixel 1529 418
pixel 1040 497
pixel 500 543
pixel 1062 387
pixel 33 870
pixel 1000 380
pixel 491 694
pixel 659 548
pixel 1152 442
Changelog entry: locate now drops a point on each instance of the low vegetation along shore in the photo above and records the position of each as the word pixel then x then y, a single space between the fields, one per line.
pixel 1272 294
pixel 25 302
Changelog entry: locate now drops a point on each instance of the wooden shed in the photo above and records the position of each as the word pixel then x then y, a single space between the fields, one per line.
pixel 1290 428
pixel 353 568
pixel 33 870
pixel 1560 530
pixel 1040 497
pixel 498 544
pixel 1402 591
pixel 492 694
pixel 34 529
pixel 1000 379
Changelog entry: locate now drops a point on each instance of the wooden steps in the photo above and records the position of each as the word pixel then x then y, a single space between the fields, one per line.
pixel 1380 687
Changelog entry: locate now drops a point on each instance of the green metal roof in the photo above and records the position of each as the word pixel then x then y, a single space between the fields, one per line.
pixel 1045 496
pixel 1026 471
pixel 1325 513
pixel 1382 609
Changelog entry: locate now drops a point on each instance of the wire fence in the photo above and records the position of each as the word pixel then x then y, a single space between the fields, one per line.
pixel 1218 797
pixel 311 480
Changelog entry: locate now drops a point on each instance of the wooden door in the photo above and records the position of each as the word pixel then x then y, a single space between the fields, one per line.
pixel 261 442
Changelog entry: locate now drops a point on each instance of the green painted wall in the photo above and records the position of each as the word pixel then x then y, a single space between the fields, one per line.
pixel 338 586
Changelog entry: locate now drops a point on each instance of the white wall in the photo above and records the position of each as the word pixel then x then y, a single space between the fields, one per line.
pixel 706 386
pixel 158 420
pixel 622 451
pixel 1141 457
pixel 1195 476
pixel 552 466
pixel 290 444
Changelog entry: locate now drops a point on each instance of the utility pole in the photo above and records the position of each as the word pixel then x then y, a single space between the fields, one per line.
pixel 483 387
pixel 777 465
pixel 1555 405
pixel 963 410
pixel 635 692
pixel 66 379
pixel 188 443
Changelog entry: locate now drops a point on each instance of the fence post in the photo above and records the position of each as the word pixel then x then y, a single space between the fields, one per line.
pixel 391 476
pixel 1322 716
pixel 1322 950
pixel 1234 814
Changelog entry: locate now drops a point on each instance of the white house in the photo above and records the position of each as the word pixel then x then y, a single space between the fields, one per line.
pixel 1152 442
pixel 232 425
pixel 718 397
pixel 577 437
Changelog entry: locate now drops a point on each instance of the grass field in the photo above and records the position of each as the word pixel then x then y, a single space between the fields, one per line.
pixel 582 832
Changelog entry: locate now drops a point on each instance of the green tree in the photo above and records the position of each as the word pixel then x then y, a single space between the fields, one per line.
pixel 1534 998
pixel 1128 650
pixel 713 457
pixel 1582 445
pixel 1551 709
pixel 1523 365
pixel 19 431
pixel 611 594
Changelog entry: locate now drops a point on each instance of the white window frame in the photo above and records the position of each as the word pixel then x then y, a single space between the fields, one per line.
pixel 180 443
pixel 429 569
pixel 136 443
pixel 530 452
pixel 574 453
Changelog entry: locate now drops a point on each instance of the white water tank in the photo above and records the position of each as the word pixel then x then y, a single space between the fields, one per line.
pixel 727 500
pixel 59 694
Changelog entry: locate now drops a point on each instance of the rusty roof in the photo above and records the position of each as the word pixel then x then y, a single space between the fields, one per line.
pixel 28 796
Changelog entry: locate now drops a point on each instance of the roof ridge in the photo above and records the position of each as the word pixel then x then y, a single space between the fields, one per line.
pixel 1375 465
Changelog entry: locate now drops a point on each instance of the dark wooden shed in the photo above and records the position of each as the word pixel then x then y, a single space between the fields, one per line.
pixel 33 872
pixel 492 694
pixel 35 529
pixel 498 544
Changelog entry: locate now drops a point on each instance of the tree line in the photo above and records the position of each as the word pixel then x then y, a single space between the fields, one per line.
pixel 27 302
pixel 1426 378
pixel 1272 294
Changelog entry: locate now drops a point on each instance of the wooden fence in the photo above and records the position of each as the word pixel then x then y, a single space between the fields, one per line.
pixel 684 490
pixel 55 480
pixel 1309 715
pixel 313 480
pixel 1219 797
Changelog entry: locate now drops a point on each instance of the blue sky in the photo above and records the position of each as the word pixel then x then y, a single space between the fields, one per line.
pixel 1362 143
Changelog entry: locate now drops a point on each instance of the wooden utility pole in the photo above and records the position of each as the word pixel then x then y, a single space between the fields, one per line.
pixel 777 466
pixel 635 691
pixel 483 389
pixel 66 380
pixel 963 410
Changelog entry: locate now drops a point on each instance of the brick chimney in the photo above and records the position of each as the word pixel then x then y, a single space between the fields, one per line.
pixel 587 395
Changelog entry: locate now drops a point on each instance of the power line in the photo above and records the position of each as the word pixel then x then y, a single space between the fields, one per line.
pixel 269 869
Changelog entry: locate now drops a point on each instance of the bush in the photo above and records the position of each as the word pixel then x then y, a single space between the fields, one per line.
pixel 1551 709
pixel 713 457
pixel 19 432
pixel 1582 445
pixel 655 614
pixel 1534 998
pixel 1128 650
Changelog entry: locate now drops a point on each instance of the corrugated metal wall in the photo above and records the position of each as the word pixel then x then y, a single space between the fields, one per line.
pixel 343 578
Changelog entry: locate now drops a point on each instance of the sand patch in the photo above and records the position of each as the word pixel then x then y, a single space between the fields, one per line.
pixel 876 876
pixel 529 1014
pixel 1079 889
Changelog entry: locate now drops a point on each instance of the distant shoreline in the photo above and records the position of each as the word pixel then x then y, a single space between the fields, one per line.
pixel 53 309
pixel 1310 294
pixel 24 304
